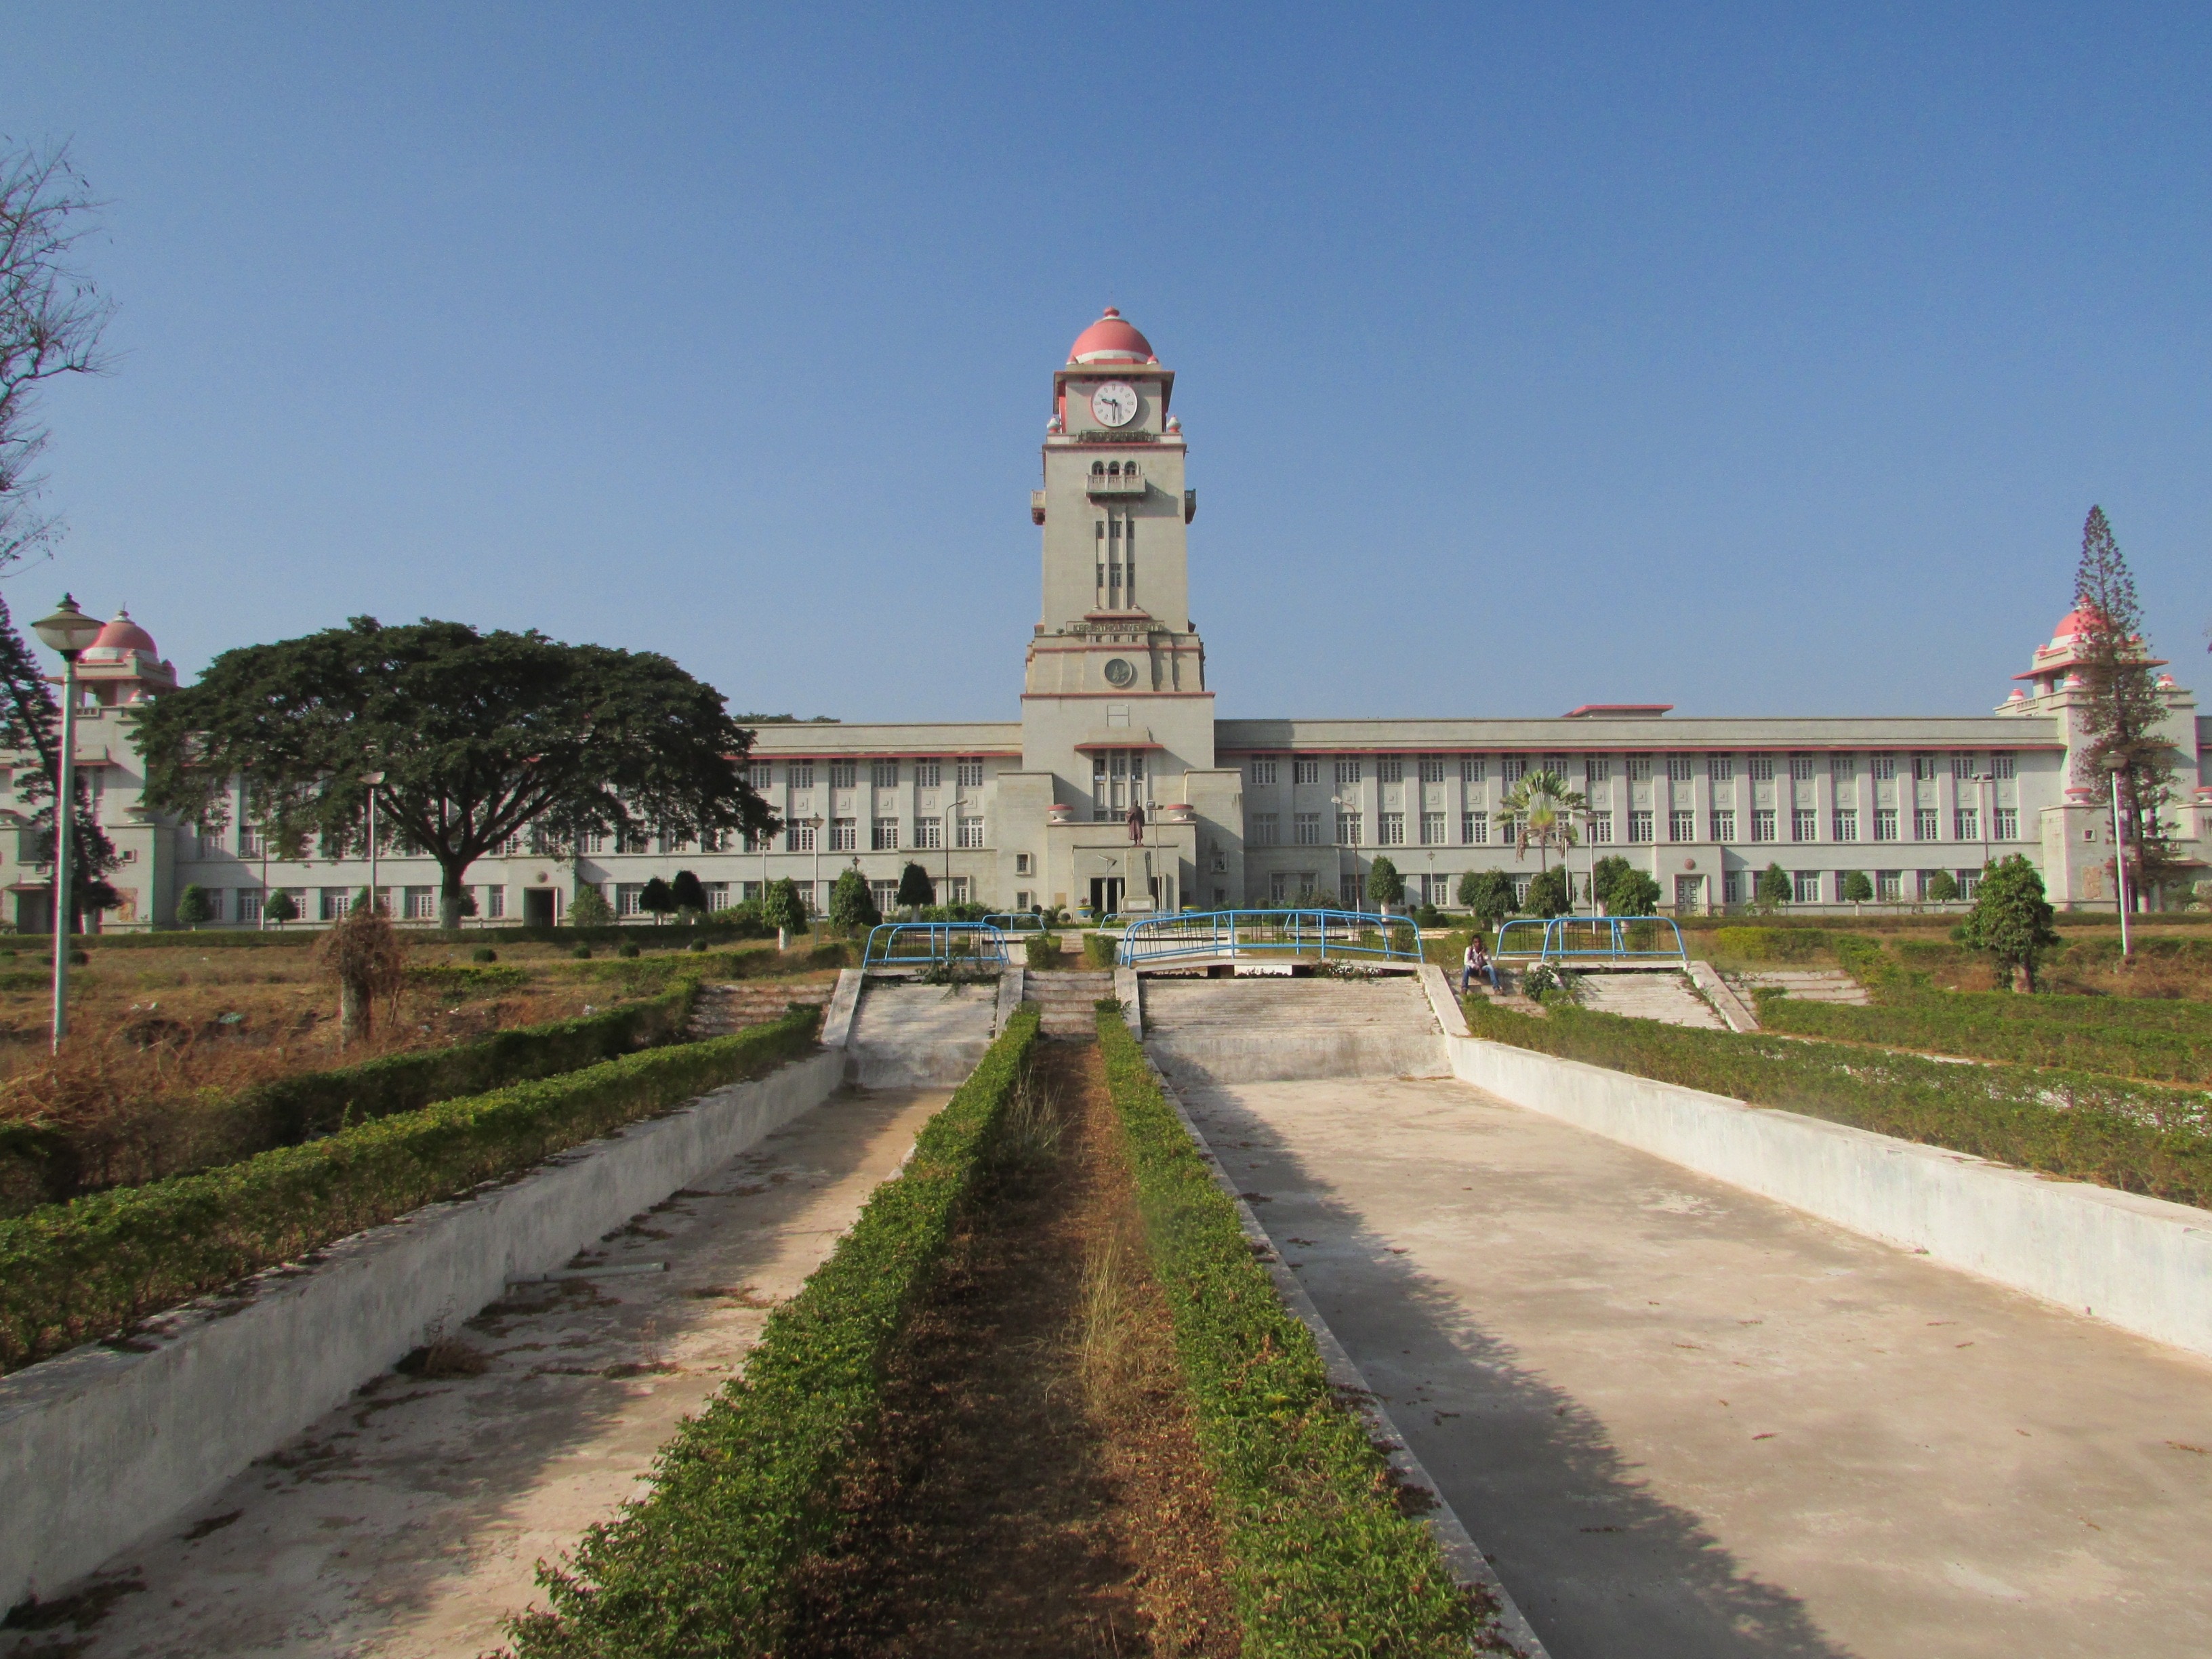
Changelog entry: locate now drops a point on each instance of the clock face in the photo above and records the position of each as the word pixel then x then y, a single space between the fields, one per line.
pixel 1114 403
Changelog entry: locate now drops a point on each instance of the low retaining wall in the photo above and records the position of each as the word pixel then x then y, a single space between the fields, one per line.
pixel 2140 1263
pixel 104 1444
pixel 1298 1056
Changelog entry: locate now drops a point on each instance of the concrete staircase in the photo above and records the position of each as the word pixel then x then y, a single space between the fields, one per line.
pixel 720 1010
pixel 1271 1028
pixel 1067 1000
pixel 1806 984
pixel 1666 998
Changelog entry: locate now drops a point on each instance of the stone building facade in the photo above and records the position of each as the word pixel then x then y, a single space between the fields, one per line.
pixel 1116 712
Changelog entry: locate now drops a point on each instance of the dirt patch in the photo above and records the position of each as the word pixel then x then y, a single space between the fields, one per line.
pixel 1035 1488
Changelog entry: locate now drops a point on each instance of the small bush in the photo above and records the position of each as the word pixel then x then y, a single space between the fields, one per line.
pixel 582 953
pixel 628 951
pixel 704 1563
pixel 1044 951
pixel 1098 950
pixel 483 953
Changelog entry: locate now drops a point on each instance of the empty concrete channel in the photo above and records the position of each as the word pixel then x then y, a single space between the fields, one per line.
pixel 1683 1420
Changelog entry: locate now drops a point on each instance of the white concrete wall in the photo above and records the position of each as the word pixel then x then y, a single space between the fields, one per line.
pixel 101 1445
pixel 2140 1263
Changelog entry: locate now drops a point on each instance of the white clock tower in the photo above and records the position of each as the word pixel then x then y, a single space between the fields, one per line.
pixel 1116 713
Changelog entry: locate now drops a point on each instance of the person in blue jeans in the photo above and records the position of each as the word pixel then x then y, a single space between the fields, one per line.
pixel 1477 961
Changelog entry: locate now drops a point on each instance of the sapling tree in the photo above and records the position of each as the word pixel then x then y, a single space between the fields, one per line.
pixel 784 910
pixel 691 894
pixel 1489 894
pixel 1549 895
pixel 657 900
pixel 1385 885
pixel 1604 874
pixel 2011 919
pixel 1942 887
pixel 915 889
pixel 1540 811
pixel 281 907
pixel 193 906
pixel 852 906
pixel 1774 888
pixel 1634 893
pixel 589 908
pixel 1857 890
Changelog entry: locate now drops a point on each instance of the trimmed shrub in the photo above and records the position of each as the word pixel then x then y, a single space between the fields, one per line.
pixel 483 953
pixel 1098 950
pixel 79 1270
pixel 704 1564
pixel 463 979
pixel 1322 1561
pixel 1044 951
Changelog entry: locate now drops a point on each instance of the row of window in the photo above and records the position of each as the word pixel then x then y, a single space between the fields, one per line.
pixel 1737 887
pixel 882 774
pixel 330 903
pixel 1925 765
pixel 1474 828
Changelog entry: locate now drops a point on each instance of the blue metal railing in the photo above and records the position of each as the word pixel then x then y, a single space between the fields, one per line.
pixel 1592 941
pixel 1229 935
pixel 918 944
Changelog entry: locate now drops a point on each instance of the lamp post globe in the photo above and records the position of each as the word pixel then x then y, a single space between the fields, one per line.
pixel 68 633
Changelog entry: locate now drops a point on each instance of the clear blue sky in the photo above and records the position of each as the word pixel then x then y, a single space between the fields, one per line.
pixel 1757 359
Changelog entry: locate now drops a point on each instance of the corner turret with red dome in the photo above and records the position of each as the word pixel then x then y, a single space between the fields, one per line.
pixel 124 666
pixel 2051 670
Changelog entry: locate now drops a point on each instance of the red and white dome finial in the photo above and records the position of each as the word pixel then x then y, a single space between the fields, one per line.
pixel 1111 339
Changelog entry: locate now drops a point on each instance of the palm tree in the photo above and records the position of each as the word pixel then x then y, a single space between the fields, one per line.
pixel 1540 811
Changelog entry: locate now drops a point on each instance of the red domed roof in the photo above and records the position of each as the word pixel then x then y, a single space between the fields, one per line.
pixel 121 633
pixel 1110 340
pixel 2075 621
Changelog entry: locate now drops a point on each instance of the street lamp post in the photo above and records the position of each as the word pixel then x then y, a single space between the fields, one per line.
pixel 68 632
pixel 2115 764
pixel 372 780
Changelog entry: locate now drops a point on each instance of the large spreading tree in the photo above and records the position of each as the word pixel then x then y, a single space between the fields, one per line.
pixel 478 738
pixel 2122 707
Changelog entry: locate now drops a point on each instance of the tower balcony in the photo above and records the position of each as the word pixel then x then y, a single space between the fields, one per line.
pixel 1114 485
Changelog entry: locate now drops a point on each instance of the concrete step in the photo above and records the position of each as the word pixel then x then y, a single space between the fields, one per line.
pixel 1666 998
pixel 720 1010
pixel 1067 1000
pixel 1806 984
pixel 1394 1003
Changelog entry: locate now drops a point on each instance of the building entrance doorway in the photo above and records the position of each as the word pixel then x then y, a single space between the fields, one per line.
pixel 1689 895
pixel 537 907
pixel 1105 895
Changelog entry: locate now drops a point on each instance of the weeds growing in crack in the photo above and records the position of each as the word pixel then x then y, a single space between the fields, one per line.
pixel 1103 1339
pixel 1030 1129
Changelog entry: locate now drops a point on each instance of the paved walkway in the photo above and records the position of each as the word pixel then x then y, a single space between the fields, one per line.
pixel 407 1524
pixel 1690 1424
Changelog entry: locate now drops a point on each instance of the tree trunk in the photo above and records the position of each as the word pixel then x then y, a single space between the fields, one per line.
pixel 782 940
pixel 449 898
pixel 354 1014
pixel 2023 977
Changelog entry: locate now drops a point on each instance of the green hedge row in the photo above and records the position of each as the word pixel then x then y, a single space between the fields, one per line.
pixel 78 1270
pixel 1322 1561
pixel 704 1564
pixel 2139 1137
pixel 40 1159
pixel 2083 1033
